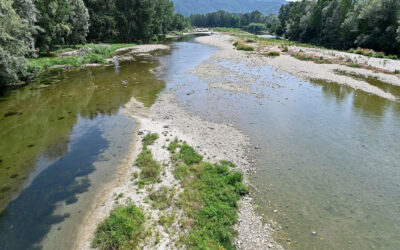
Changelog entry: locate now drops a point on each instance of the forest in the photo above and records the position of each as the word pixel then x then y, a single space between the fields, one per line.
pixel 29 29
pixel 343 24
pixel 254 22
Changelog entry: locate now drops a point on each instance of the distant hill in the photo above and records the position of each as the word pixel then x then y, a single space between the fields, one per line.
pixel 188 7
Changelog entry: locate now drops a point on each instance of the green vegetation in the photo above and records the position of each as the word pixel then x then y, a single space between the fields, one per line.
pixel 344 24
pixel 302 57
pixel 207 204
pixel 188 155
pixel 273 53
pixel 253 22
pixel 209 199
pixel 149 139
pixel 173 146
pixel 161 198
pixel 88 53
pixel 239 45
pixel 150 168
pixel 123 229
pixel 37 28
pixel 354 65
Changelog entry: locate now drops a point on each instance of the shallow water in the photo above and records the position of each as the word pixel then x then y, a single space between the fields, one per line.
pixel 328 158
pixel 62 138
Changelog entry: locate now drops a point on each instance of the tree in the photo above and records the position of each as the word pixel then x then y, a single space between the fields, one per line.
pixel 28 13
pixel 134 19
pixel 78 22
pixel 102 22
pixel 13 46
pixel 53 23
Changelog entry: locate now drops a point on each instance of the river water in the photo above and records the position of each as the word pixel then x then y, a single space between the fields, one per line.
pixel 62 138
pixel 327 156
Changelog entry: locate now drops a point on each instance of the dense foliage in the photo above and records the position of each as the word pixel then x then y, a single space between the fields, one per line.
pixel 188 7
pixel 254 22
pixel 35 27
pixel 344 24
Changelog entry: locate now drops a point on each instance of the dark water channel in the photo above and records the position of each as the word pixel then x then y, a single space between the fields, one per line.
pixel 62 138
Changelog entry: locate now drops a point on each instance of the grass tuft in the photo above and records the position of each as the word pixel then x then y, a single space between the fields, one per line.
pixel 173 146
pixel 123 229
pixel 150 168
pixel 149 139
pixel 188 155
pixel 161 198
pixel 242 46
pixel 273 53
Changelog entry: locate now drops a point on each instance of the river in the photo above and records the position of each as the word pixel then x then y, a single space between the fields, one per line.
pixel 328 167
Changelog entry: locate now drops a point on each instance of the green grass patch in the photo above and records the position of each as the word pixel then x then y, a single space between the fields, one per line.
pixel 162 198
pixel 273 53
pixel 397 71
pixel 89 53
pixel 149 139
pixel 173 146
pixel 188 155
pixel 354 65
pixel 239 45
pixel 228 163
pixel 302 57
pixel 123 229
pixel 209 199
pixel 150 168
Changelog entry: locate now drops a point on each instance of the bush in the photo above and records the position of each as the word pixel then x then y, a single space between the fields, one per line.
pixel 123 229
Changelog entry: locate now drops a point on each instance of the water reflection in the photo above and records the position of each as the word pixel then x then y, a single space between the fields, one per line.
pixel 28 218
pixel 46 112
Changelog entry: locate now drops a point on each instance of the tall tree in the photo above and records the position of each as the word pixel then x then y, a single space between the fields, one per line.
pixel 102 22
pixel 13 45
pixel 78 22
pixel 53 22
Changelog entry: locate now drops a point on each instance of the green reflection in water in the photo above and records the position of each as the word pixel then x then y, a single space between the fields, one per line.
pixel 38 118
pixel 385 86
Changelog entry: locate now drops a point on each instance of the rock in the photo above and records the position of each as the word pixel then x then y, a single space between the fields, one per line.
pixel 165 126
pixel 275 211
pixel 140 133
pixel 270 245
pixel 314 233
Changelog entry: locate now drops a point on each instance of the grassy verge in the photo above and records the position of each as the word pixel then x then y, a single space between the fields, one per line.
pixel 90 53
pixel 209 199
pixel 123 229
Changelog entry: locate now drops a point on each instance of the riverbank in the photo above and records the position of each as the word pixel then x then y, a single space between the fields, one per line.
pixel 330 70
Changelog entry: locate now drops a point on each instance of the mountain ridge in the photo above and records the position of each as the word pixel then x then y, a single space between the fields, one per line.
pixel 188 7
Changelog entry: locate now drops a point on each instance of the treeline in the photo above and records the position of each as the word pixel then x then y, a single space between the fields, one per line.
pixel 29 28
pixel 254 22
pixel 343 24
